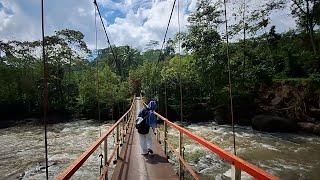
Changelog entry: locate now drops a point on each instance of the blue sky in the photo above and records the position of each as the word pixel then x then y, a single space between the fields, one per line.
pixel 129 22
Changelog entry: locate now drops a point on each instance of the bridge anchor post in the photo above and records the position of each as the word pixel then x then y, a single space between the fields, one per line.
pixel 165 138
pixel 235 173
pixel 106 156
pixel 181 172
pixel 118 141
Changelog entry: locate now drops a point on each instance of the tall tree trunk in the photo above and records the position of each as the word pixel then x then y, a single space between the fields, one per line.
pixel 311 34
pixel 310 28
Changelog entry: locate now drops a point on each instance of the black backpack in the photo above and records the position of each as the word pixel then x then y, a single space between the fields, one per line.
pixel 141 125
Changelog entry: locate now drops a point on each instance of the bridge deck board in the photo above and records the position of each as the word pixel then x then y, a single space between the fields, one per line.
pixel 133 165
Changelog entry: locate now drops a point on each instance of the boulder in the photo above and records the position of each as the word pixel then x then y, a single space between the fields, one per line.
pixel 243 121
pixel 220 116
pixel 316 129
pixel 309 127
pixel 244 108
pixel 200 112
pixel 272 123
pixel 172 114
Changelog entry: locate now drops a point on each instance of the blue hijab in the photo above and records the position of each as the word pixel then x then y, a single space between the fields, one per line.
pixel 152 119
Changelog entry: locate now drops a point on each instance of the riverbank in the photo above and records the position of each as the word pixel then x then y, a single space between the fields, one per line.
pixel 284 106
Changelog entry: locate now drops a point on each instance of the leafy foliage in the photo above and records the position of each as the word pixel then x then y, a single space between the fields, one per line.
pixel 257 59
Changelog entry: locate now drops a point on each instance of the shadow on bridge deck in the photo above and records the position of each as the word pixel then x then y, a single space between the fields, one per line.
pixel 133 165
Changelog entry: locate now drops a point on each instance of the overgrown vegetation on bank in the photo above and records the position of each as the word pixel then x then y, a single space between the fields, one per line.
pixel 262 62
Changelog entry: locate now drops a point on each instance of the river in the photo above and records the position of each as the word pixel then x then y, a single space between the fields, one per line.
pixel 289 156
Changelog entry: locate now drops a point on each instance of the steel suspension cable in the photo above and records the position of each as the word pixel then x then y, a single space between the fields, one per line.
pixel 165 100
pixel 180 81
pixel 244 36
pixel 229 76
pixel 97 70
pixel 164 40
pixel 98 85
pixel 105 31
pixel 244 31
pixel 45 90
pixel 165 34
pixel 181 147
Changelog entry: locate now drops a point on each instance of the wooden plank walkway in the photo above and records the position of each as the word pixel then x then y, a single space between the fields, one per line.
pixel 133 165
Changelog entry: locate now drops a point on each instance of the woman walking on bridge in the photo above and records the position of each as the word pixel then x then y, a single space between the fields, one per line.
pixel 146 119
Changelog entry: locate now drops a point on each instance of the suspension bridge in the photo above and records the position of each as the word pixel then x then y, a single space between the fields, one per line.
pixel 130 164
pixel 125 152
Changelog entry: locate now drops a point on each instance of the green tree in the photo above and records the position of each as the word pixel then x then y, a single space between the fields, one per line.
pixel 306 13
pixel 126 58
pixel 203 40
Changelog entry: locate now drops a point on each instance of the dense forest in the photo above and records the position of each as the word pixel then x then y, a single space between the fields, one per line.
pixel 275 76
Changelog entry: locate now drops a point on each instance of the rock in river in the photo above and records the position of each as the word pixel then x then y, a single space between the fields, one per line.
pixel 271 123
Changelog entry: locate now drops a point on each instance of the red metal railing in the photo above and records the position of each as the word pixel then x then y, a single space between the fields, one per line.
pixel 239 163
pixel 76 164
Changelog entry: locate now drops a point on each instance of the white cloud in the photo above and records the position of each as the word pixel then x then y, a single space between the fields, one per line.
pixel 142 20
pixel 24 23
pixel 22 28
pixel 281 19
pixel 5 19
pixel 192 5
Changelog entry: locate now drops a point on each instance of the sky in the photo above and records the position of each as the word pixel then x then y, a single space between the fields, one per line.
pixel 129 22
